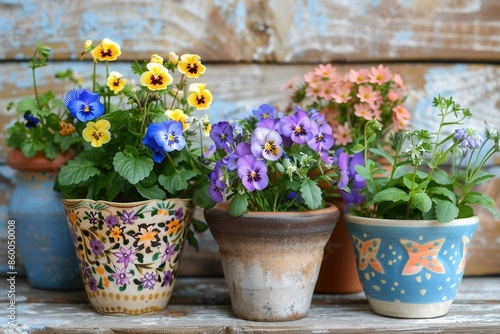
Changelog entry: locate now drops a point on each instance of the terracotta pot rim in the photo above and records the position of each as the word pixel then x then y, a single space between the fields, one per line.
pixel 39 162
pixel 74 201
pixel 410 223
pixel 222 207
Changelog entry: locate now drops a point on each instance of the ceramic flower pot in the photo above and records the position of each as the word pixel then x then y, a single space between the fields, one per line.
pixel 43 241
pixel 410 268
pixel 271 260
pixel 128 253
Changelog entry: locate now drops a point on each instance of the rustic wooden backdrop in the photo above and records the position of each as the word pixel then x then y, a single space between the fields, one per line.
pixel 254 47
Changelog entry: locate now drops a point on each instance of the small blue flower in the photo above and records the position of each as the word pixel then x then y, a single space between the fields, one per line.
pixel 83 104
pixel 31 121
pixel 164 137
pixel 469 138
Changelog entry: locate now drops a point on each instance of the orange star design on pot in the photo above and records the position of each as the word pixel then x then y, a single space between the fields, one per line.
pixel 368 254
pixel 465 246
pixel 423 256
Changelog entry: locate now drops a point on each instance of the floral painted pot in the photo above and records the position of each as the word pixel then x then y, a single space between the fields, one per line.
pixel 271 260
pixel 42 236
pixel 129 253
pixel 410 268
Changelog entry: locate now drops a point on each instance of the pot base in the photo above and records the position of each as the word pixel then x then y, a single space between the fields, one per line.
pixel 409 311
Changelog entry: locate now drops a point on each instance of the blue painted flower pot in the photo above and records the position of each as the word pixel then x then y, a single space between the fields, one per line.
pixel 410 268
pixel 42 236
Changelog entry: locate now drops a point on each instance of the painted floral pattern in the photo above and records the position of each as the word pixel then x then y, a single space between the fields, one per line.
pixel 130 248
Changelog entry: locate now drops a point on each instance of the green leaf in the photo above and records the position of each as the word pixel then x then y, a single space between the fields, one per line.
pixel 446 211
pixel 30 147
pixel 311 194
pixel 27 104
pixel 363 171
pixel 442 191
pixel 198 225
pixel 478 199
pixel 202 198
pixel 51 150
pixel 421 201
pixel 239 205
pixel 392 195
pixel 154 192
pixel 465 211
pixel 481 177
pixel 357 148
pixel 76 171
pixel 173 183
pixel 382 153
pixel 133 169
pixel 441 177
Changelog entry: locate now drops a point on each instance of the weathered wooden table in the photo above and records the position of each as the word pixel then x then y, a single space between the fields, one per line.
pixel 201 305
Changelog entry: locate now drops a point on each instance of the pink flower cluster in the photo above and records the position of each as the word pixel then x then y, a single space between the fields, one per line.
pixel 349 100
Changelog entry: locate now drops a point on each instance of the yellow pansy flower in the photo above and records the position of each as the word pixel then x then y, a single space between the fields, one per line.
pixel 107 50
pixel 156 59
pixel 156 78
pixel 191 66
pixel 179 116
pixel 96 133
pixel 200 98
pixel 116 82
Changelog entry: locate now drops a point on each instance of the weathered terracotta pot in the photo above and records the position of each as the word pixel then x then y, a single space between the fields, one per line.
pixel 271 260
pixel 42 235
pixel 129 253
pixel 339 271
pixel 411 268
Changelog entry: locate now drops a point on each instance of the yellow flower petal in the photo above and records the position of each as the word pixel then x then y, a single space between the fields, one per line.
pixel 156 59
pixel 116 82
pixel 107 50
pixel 200 98
pixel 191 66
pixel 156 78
pixel 97 133
pixel 179 116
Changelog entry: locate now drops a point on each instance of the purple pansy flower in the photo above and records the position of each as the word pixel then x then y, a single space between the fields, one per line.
pixel 344 170
pixel 167 255
pixel 164 137
pixel 266 144
pixel 111 221
pixel 121 276
pixel 241 150
pixel 148 281
pixel 167 278
pixel 265 111
pixel 222 135
pixel 217 188
pixel 297 127
pixel 469 138
pixel 97 247
pixel 31 121
pixel 128 217
pixel 322 138
pixel 252 172
pixel 83 104
pixel 125 256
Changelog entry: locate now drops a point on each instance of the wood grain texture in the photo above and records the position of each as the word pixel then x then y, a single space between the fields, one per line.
pixel 476 309
pixel 260 30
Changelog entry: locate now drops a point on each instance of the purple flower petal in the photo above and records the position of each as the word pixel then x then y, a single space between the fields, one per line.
pixel 253 173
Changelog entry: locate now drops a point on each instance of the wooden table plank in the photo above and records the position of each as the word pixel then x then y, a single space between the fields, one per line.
pixel 201 305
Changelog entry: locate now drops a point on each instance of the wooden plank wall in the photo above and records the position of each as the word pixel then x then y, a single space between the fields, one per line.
pixel 253 47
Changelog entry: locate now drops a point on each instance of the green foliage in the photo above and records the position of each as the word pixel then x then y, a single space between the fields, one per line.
pixel 432 177
pixel 37 129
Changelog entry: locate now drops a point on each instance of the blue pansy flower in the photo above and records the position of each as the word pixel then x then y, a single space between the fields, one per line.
pixel 83 104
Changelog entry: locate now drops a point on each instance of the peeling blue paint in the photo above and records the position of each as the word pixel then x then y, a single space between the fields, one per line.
pixel 402 37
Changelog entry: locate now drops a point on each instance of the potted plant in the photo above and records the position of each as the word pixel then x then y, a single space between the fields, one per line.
pixel 349 101
pixel 272 219
pixel 42 139
pixel 128 193
pixel 412 230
